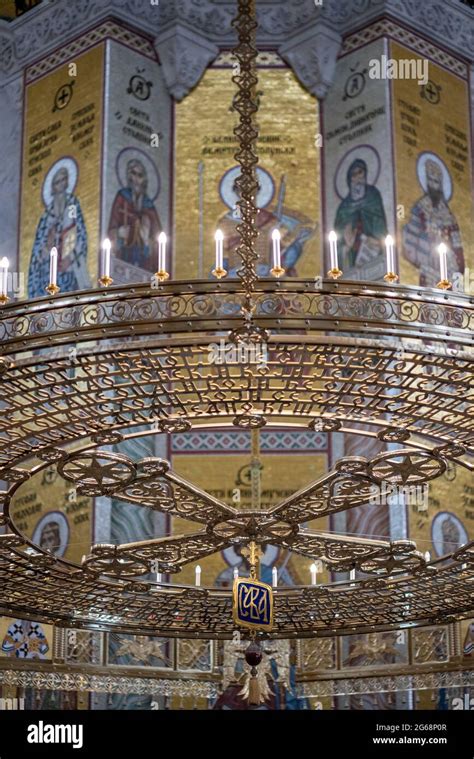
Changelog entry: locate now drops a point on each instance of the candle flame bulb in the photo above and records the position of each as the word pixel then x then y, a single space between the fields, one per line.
pixel 334 272
pixel 105 279
pixel 444 283
pixel 162 274
pixel 219 271
pixel 390 275
pixel 277 269
pixel 53 288
pixel 4 265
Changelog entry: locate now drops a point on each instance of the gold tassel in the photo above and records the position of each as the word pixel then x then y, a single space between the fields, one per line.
pixel 254 689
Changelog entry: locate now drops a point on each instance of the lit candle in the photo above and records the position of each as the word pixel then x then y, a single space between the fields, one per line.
pixel 158 577
pixel 352 575
pixel 198 575
pixel 105 278
pixel 275 577
pixel 162 251
pixel 390 276
pixel 277 269
pixel 334 271
pixel 53 266
pixel 427 557
pixel 162 274
pixel 53 288
pixel 4 264
pixel 219 271
pixel 314 574
pixel 236 573
pixel 219 249
pixel 444 282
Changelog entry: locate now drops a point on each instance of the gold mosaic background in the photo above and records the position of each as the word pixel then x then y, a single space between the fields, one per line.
pixel 40 115
pixel 453 110
pixel 288 120
pixel 46 498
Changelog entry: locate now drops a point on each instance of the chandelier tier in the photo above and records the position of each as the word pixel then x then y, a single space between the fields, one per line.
pixel 83 370
pixel 370 360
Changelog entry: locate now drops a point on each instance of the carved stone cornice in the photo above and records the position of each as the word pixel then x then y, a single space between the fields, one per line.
pixel 312 55
pixel 39 31
pixel 184 56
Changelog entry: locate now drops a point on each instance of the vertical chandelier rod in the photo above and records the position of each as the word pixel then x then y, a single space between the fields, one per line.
pixel 245 103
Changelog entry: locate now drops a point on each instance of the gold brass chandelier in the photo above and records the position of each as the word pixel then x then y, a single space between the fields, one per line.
pixel 379 360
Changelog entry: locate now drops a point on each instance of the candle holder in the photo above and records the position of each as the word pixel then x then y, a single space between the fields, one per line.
pixel 334 273
pixel 105 280
pixel 162 275
pixel 52 289
pixel 391 277
pixel 277 271
pixel 444 284
pixel 219 272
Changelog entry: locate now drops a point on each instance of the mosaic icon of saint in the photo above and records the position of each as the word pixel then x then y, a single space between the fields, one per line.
pixel 25 640
pixel 360 222
pixel 51 533
pixel 62 226
pixel 296 229
pixel 448 533
pixel 431 222
pixel 134 224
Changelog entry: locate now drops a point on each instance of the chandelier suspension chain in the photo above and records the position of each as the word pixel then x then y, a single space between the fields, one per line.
pixel 245 103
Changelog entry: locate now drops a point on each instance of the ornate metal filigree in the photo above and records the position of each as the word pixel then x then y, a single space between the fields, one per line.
pixel 53 593
pixel 402 556
pixel 97 473
pixel 141 357
pixel 245 103
pixel 465 555
pixel 406 467
pixel 150 483
pixel 107 559
pixel 149 380
pixel 387 683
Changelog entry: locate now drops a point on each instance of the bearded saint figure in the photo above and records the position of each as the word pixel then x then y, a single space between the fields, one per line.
pixel 360 222
pixel 134 223
pixel 61 226
pixel 432 222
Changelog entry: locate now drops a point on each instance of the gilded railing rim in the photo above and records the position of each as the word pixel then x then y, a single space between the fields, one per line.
pixel 184 323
